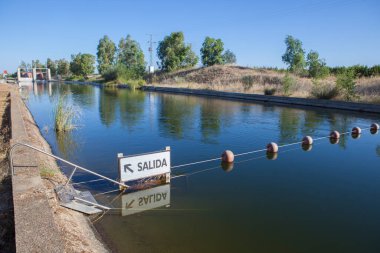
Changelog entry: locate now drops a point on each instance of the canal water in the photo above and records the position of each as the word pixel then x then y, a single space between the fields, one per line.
pixel 326 199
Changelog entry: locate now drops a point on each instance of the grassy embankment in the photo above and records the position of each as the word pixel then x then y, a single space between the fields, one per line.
pixel 268 82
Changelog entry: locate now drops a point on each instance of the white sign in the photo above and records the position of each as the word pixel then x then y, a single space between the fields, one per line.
pixel 145 165
pixel 145 200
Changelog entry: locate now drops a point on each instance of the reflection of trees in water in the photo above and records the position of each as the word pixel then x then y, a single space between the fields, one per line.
pixel 312 120
pixel 176 114
pixel 341 123
pixel 58 89
pixel 268 108
pixel 378 150
pixel 289 122
pixel 210 113
pixel 107 105
pixel 67 144
pixel 83 95
pixel 131 106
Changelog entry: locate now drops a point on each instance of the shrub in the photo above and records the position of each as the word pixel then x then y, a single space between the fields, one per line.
pixel 76 78
pixel 360 71
pixel 324 90
pixel 288 82
pixel 110 74
pixel 247 81
pixel 375 70
pixel 135 83
pixel 346 84
pixel 337 70
pixel 270 91
pixel 122 74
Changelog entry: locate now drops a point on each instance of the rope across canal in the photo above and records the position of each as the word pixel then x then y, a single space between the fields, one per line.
pixel 257 151
pixel 236 155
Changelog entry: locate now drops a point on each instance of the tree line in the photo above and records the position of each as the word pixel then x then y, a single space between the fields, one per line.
pixel 126 61
pixel 315 67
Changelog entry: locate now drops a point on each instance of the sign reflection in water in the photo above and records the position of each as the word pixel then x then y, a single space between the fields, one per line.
pixel 145 200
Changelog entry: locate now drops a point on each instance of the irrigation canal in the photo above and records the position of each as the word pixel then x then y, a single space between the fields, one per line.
pixel 326 199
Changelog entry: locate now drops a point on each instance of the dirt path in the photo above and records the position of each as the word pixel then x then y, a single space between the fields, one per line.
pixel 7 237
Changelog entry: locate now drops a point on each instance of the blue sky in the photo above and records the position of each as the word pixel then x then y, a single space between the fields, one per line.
pixel 344 32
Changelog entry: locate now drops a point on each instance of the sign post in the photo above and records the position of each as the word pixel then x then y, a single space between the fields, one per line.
pixel 145 165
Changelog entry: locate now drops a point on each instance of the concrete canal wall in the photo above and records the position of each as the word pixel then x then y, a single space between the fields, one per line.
pixel 328 104
pixel 41 224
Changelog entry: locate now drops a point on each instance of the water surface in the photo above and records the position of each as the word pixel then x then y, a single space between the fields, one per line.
pixel 324 200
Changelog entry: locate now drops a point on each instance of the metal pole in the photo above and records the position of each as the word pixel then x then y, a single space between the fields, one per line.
pixel 60 159
pixel 71 176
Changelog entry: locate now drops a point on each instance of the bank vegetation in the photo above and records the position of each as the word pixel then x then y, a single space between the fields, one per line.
pixel 306 75
pixel 267 81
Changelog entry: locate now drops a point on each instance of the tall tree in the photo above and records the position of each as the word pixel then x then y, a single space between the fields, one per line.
pixel 52 65
pixel 24 65
pixel 174 54
pixel 211 51
pixel 294 55
pixel 106 54
pixel 63 67
pixel 131 55
pixel 317 67
pixel 82 64
pixel 229 57
pixel 37 64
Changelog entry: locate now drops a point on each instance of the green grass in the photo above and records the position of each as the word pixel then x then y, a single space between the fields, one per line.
pixel 64 115
pixel 47 172
pixel 132 83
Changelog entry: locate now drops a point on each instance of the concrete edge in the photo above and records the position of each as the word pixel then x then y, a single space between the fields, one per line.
pixel 304 102
pixel 35 228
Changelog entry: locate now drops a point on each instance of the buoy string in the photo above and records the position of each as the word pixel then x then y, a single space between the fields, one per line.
pixel 290 144
pixel 320 138
pixel 237 155
pixel 251 152
pixel 218 167
pixel 195 172
pixel 257 151
pixel 204 161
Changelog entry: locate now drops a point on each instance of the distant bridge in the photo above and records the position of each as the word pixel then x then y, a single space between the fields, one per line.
pixel 33 74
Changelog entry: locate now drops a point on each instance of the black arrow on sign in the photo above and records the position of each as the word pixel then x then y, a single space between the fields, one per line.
pixel 128 206
pixel 126 167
